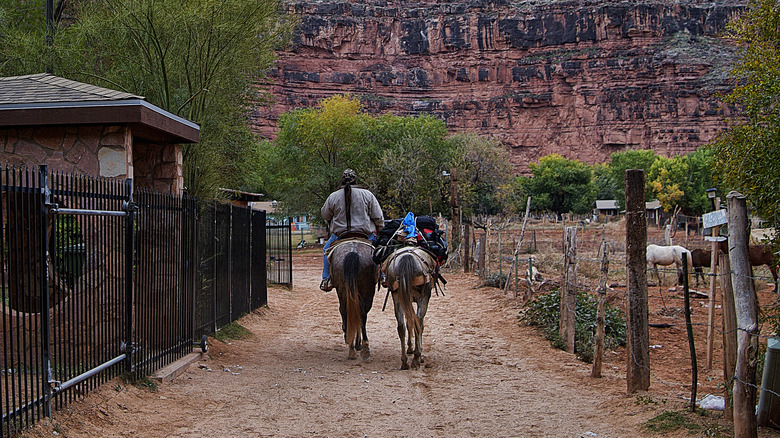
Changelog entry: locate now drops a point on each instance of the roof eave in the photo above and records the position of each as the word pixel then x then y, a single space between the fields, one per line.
pixel 147 121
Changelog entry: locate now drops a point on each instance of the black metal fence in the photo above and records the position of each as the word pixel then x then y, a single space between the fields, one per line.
pixel 99 281
pixel 279 249
pixel 232 257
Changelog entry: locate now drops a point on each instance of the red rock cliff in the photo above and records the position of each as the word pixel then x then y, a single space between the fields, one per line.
pixel 582 79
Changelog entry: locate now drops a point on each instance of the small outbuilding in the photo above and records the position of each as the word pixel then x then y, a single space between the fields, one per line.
pixel 606 207
pixel 76 127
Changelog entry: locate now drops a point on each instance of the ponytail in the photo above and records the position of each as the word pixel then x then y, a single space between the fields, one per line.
pixel 348 204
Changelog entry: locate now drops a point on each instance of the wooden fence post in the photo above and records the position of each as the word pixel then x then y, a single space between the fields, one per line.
pixel 601 312
pixel 689 329
pixel 517 245
pixel 637 334
pixel 466 248
pixel 485 265
pixel 455 240
pixel 729 322
pixel 746 305
pixel 568 290
pixel 713 273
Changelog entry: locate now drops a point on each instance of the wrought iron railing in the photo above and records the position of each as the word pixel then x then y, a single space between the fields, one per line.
pixel 98 281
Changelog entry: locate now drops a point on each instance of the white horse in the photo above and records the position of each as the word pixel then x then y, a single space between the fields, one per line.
pixel 665 256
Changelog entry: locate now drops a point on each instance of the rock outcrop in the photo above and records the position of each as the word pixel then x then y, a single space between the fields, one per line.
pixel 580 78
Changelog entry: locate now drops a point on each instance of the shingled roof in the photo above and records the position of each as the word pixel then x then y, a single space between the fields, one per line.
pixel 48 100
pixel 46 88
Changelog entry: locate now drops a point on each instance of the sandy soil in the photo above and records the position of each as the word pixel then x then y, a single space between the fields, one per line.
pixel 485 375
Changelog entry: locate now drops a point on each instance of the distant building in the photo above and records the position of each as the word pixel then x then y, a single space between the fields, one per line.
pixel 243 199
pixel 654 212
pixel 606 207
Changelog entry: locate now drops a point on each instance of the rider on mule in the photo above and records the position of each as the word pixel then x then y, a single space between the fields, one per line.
pixel 350 211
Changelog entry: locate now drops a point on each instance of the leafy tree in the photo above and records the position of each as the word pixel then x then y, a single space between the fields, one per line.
pixel 560 185
pixel 197 59
pixel 414 152
pixel 484 173
pixel 605 184
pixel 700 178
pixel 632 159
pixel 400 159
pixel 747 155
pixel 667 177
pixel 312 148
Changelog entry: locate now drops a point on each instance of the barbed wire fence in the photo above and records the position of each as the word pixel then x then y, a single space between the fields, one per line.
pixel 523 263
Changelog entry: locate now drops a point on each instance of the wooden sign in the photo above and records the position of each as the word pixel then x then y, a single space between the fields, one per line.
pixel 717 217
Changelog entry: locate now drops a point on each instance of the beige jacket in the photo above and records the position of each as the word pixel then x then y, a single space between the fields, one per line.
pixel 366 214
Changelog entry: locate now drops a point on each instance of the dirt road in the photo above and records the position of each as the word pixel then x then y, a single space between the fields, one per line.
pixel 485 375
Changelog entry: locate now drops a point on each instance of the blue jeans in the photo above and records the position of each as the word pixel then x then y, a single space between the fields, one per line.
pixel 325 262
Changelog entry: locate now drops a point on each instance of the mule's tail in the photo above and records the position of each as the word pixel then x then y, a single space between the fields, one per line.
pixel 351 271
pixel 406 271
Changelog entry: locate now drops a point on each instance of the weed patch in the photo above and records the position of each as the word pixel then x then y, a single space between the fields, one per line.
pixel 544 312
pixel 232 331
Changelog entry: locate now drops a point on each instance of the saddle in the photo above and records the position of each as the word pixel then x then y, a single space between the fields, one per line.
pixel 427 259
pixel 360 238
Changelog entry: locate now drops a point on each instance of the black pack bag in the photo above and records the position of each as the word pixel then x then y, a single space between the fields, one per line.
pixel 433 238
pixel 388 230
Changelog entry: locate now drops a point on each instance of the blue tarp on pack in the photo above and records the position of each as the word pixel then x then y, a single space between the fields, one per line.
pixel 409 226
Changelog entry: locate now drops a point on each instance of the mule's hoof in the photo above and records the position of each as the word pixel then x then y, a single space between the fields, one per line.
pixel 404 366
pixel 415 364
pixel 365 353
pixel 352 354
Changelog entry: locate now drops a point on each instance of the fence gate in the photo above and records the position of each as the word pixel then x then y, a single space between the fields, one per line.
pixel 66 281
pixel 279 250
pixel 98 280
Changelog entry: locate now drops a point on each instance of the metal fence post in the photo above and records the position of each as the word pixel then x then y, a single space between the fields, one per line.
pixel 289 250
pixel 214 262
pixel 129 270
pixel 44 267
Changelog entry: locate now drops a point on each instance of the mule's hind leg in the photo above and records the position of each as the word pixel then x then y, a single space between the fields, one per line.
pixel 365 352
pixel 422 308
pixel 399 317
pixel 409 346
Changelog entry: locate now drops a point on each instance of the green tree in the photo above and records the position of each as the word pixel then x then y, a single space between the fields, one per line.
pixel 560 185
pixel 700 178
pixel 312 148
pixel 747 155
pixel 414 152
pixel 197 59
pixel 604 182
pixel 400 159
pixel 484 173
pixel 632 159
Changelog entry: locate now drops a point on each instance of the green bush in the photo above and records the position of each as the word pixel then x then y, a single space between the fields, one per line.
pixel 544 310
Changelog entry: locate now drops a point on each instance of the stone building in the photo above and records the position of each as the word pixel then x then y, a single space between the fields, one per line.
pixel 75 127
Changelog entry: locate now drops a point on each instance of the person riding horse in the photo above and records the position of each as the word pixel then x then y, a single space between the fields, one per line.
pixel 349 211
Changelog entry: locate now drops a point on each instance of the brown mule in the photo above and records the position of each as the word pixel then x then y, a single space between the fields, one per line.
pixel 410 278
pixel 354 276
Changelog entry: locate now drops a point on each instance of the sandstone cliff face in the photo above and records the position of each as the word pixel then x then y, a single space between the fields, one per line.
pixel 582 79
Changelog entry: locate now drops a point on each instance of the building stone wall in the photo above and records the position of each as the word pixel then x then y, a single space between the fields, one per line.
pixel 106 151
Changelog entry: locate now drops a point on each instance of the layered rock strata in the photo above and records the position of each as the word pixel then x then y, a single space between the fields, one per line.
pixel 581 79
